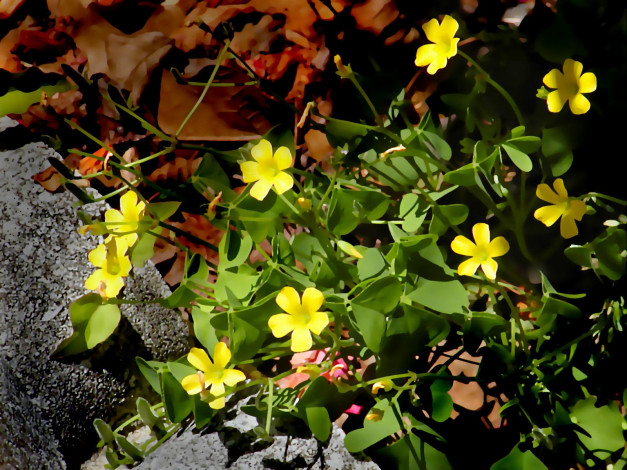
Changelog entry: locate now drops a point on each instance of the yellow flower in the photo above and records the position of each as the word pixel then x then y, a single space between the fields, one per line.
pixel 213 374
pixel 444 47
pixel 562 206
pixel 374 415
pixel 301 319
pixel 267 170
pixel 481 252
pixel 111 258
pixel 124 223
pixel 570 87
pixel 385 385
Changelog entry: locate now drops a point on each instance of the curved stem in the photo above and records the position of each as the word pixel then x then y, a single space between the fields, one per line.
pixel 206 89
pixel 496 86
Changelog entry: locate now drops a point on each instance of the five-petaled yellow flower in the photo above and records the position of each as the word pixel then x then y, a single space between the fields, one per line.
pixel 570 87
pixel 301 319
pixel 481 252
pixel 562 206
pixel 445 44
pixel 114 265
pixel 267 170
pixel 125 222
pixel 211 374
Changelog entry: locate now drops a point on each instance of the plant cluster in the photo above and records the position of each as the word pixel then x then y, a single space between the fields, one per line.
pixel 395 263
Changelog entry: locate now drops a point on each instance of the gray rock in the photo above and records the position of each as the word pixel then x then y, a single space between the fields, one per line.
pixel 48 406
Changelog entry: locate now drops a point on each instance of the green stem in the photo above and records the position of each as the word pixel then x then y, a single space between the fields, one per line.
pixel 603 196
pixel 366 98
pixel 270 400
pixel 205 89
pixel 496 86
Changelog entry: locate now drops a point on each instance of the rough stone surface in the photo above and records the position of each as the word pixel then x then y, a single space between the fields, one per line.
pixel 48 406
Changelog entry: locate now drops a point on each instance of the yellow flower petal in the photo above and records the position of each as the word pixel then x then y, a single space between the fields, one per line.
pixel 312 300
pixel 553 79
pixel 283 182
pixel 579 104
pixel 577 209
pixel 262 151
pixel 385 385
pixel 128 202
pixel 587 83
pixel 301 340
pixel 94 280
pixel 489 268
pixel 191 384
pixel 555 101
pixel 281 324
pixel 548 215
pixel 98 256
pixel 426 54
pixel 572 68
pixel 317 322
pixel 113 286
pixel 481 234
pixel 250 171
pixel 289 300
pixel 463 246
pixel 544 192
pixel 568 227
pixel 217 388
pixel 199 359
pixel 432 30
pixel 218 403
pixel 283 158
pixel 498 247
pixel 221 355
pixel 260 189
pixel 560 188
pixel 438 63
pixel 448 28
pixel 233 376
pixel 468 267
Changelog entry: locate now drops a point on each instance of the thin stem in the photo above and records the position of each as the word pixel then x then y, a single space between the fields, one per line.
pixel 206 89
pixel 496 86
pixel 189 236
pixel 603 196
pixel 270 404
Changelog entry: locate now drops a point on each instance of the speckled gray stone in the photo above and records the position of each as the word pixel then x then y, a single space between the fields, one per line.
pixel 48 407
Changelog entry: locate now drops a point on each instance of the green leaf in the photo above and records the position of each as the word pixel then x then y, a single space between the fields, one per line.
pixel 250 328
pixel 234 250
pixel 556 147
pixel 341 131
pixel 17 102
pixel 442 403
pixel 373 431
pixel 203 330
pixel 319 422
pixel 559 307
pixel 604 424
pixel 144 248
pixel 445 216
pixel 150 372
pixel 178 404
pixel 581 255
pixel 145 412
pixel 413 211
pixel 526 144
pixel 102 323
pixel 609 250
pixel 163 210
pixel 436 144
pixel 462 176
pixel 441 296
pixel 129 448
pixel 93 322
pixel 371 305
pixel 518 460
pixel 202 412
pixel 411 453
pixel 371 265
pixel 104 431
pixel 520 159
pixel 180 369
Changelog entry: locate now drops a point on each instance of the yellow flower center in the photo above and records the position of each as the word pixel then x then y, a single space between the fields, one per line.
pixel 573 89
pixel 302 319
pixel 216 375
pixel 113 263
pixel 482 253
pixel 268 169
